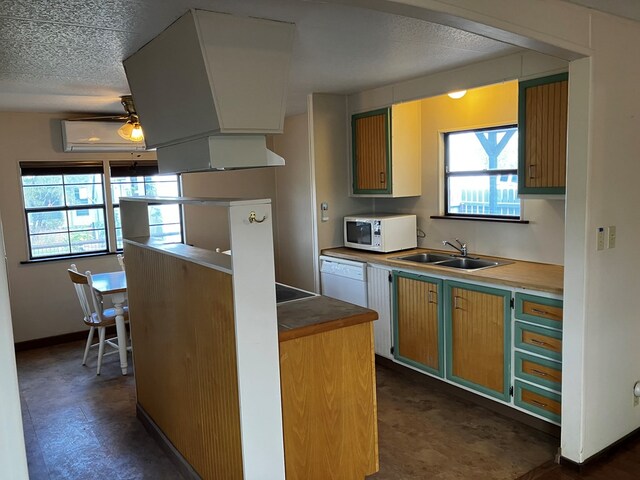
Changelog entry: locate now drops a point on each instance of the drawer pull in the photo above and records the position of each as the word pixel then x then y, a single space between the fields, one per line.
pixel 540 404
pixel 532 174
pixel 382 177
pixel 540 372
pixel 539 342
pixel 540 312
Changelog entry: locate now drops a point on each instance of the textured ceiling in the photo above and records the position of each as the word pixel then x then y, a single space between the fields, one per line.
pixel 66 55
pixel 621 8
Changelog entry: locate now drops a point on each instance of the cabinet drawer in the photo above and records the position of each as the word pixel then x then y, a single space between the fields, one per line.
pixel 540 310
pixel 539 370
pixel 543 341
pixel 537 400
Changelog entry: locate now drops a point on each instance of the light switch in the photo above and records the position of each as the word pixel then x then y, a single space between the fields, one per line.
pixel 324 212
pixel 600 238
pixel 611 236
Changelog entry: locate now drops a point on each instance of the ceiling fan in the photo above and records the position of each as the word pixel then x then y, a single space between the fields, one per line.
pixel 131 129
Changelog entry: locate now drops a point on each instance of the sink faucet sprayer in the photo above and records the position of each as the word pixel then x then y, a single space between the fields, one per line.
pixel 462 248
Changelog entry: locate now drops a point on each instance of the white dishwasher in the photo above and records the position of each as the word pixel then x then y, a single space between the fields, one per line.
pixel 345 280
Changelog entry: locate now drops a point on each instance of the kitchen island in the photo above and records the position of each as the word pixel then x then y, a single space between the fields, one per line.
pixel 235 387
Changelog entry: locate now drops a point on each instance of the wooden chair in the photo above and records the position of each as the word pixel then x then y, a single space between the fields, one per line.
pixel 95 316
pixel 120 258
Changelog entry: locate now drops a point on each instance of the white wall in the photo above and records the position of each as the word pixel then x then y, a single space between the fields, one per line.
pixel 542 240
pixel 43 301
pixel 330 159
pixel 207 227
pixel 13 459
pixel 295 206
pixel 316 147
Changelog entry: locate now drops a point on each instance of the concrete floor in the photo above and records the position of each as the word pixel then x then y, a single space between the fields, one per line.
pixel 80 426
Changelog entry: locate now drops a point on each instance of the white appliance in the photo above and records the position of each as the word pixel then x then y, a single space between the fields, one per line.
pixel 96 136
pixel 345 280
pixel 380 232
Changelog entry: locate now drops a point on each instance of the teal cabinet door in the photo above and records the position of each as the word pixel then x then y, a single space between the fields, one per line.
pixel 418 322
pixel 371 143
pixel 478 337
pixel 542 135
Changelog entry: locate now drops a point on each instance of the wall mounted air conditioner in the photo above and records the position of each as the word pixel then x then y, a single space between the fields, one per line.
pixel 96 136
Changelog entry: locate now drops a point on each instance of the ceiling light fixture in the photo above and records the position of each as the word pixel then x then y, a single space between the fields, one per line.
pixel 131 130
pixel 457 94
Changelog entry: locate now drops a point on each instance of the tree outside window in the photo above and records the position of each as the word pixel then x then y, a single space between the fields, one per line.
pixel 481 176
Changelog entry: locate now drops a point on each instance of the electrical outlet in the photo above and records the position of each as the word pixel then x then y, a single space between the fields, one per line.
pixel 600 238
pixel 611 237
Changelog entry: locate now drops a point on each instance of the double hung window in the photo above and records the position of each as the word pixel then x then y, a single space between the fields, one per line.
pixel 481 173
pixel 65 209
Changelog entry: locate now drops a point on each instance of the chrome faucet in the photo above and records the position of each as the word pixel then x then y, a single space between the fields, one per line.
pixel 462 248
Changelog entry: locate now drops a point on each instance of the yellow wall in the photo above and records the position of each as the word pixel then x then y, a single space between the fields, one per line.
pixel 541 240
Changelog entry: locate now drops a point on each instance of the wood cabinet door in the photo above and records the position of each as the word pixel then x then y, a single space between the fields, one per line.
pixel 371 151
pixel 418 322
pixel 478 338
pixel 542 126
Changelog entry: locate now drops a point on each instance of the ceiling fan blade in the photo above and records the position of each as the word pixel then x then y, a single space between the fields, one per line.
pixel 101 118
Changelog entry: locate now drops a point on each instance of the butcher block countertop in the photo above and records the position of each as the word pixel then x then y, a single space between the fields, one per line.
pixel 312 315
pixel 542 277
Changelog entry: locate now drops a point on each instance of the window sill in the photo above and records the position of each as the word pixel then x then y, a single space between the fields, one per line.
pixel 479 219
pixel 67 258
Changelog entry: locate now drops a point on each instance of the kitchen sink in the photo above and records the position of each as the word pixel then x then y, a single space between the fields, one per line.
pixel 469 263
pixel 451 261
pixel 425 257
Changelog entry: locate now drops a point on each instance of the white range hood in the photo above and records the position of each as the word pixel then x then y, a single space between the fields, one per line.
pixel 209 87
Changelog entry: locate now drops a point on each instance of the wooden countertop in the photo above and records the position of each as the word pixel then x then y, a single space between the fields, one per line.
pixel 312 315
pixel 542 277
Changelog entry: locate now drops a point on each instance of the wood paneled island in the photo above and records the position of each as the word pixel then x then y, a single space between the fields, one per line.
pixel 213 353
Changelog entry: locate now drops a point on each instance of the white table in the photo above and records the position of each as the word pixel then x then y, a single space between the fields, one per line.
pixel 114 285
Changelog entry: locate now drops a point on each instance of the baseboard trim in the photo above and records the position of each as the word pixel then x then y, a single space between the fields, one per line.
pixel 161 439
pixel 449 389
pixel 602 454
pixel 58 339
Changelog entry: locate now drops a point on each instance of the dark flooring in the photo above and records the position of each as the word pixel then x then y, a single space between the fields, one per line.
pixel 80 426
pixel 622 462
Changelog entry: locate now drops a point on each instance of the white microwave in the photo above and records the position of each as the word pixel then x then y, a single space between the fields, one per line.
pixel 380 232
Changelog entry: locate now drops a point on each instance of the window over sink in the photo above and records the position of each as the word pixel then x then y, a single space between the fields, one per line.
pixel 481 173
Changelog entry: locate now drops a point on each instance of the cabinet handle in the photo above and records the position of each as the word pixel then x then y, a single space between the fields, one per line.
pixel 431 298
pixel 455 303
pixel 541 312
pixel 540 372
pixel 531 171
pixel 540 404
pixel 382 177
pixel 539 342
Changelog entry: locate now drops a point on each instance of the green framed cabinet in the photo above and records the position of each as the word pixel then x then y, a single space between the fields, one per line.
pixel 544 311
pixel 542 135
pixel 478 337
pixel 418 321
pixel 537 400
pixel 537 340
pixel 386 152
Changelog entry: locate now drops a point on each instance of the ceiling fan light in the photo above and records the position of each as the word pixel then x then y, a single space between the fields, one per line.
pixel 136 133
pixel 125 130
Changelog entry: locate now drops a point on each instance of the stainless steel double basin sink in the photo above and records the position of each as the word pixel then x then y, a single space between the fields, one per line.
pixel 468 264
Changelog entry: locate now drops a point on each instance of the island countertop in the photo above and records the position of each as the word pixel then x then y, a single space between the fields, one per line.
pixel 312 315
